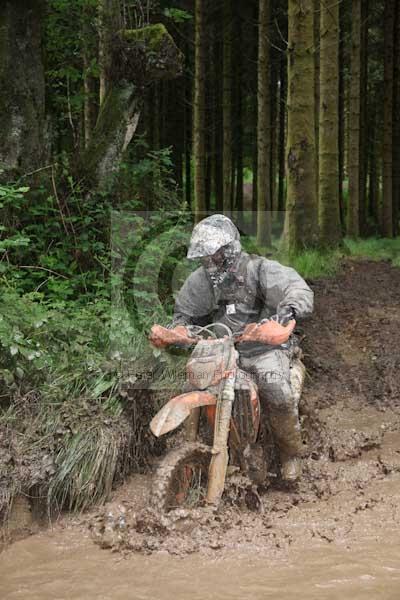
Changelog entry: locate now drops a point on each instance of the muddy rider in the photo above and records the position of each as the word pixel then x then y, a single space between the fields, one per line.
pixel 236 288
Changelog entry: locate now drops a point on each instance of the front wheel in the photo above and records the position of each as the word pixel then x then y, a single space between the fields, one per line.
pixel 182 477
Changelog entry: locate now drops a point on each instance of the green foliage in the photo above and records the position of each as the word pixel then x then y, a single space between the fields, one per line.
pixel 147 183
pixel 60 352
pixel 65 344
pixel 375 249
pixel 67 28
pixel 313 264
pixel 177 15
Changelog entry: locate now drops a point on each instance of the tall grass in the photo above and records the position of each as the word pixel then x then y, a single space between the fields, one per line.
pixel 375 249
pixel 314 263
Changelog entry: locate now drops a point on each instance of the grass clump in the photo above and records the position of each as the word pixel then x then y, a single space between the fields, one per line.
pixel 375 249
pixel 312 264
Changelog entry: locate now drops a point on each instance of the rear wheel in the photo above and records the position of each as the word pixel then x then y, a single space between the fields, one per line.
pixel 181 478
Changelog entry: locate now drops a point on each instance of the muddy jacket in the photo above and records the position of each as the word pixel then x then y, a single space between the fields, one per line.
pixel 257 289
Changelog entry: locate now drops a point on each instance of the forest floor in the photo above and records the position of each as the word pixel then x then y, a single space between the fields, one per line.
pixel 351 473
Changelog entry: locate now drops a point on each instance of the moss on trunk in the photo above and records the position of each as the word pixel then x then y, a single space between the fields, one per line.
pixel 139 58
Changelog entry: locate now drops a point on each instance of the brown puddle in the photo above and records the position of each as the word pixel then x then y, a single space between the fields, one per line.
pixel 65 565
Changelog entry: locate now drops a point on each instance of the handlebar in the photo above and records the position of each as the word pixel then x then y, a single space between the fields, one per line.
pixel 269 332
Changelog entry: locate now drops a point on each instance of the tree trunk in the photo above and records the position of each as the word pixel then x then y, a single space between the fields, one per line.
pixel 216 75
pixel 329 212
pixel 396 125
pixel 199 108
pixel 282 131
pixel 188 122
pixel 373 211
pixel 353 212
pixel 108 25
pixel 175 127
pixel 387 207
pixel 22 84
pixel 317 50
pixel 264 128
pixel 120 111
pixel 301 227
pixel 227 105
pixel 274 135
pixel 364 117
pixel 342 117
pixel 239 117
pixel 89 83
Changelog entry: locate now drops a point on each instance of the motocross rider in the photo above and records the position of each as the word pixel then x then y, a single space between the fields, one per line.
pixel 236 288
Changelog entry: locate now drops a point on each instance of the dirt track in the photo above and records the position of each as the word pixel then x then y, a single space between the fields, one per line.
pixel 352 419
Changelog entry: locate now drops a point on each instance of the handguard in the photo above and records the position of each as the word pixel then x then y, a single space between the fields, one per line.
pixel 270 332
pixel 161 337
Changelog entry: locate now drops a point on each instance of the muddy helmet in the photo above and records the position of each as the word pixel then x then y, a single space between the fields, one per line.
pixel 212 234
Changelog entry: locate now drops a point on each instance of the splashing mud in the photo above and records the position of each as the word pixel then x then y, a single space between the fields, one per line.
pixel 336 534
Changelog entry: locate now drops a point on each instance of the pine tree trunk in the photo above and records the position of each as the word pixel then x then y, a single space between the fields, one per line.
pixel 396 125
pixel 199 142
pixel 363 117
pixel 216 74
pixel 301 227
pixel 239 116
pixel 387 207
pixel 22 85
pixel 89 83
pixel 353 220
pixel 274 137
pixel 329 212
pixel 282 132
pixel 264 127
pixel 317 50
pixel 373 159
pixel 188 122
pixel 342 117
pixel 176 127
pixel 108 25
pixel 227 105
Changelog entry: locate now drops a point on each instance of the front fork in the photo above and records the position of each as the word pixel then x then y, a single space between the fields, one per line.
pixel 192 425
pixel 220 457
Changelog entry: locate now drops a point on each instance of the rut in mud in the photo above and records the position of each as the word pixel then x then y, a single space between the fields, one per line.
pixel 352 423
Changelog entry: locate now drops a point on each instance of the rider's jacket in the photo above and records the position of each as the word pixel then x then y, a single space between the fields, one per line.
pixel 255 289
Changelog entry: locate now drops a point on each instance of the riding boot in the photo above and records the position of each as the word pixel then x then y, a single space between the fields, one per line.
pixel 286 430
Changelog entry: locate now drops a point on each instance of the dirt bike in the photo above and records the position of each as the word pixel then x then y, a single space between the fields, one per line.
pixel 222 409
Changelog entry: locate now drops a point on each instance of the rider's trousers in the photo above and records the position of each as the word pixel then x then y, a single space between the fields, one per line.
pixel 271 373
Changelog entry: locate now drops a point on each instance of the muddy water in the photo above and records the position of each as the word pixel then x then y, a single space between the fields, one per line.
pixel 65 565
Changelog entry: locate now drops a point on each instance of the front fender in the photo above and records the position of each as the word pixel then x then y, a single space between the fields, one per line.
pixel 178 409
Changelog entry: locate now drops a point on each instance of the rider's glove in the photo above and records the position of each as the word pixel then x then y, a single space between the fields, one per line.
pixel 161 337
pixel 269 332
pixel 283 316
pixel 286 314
